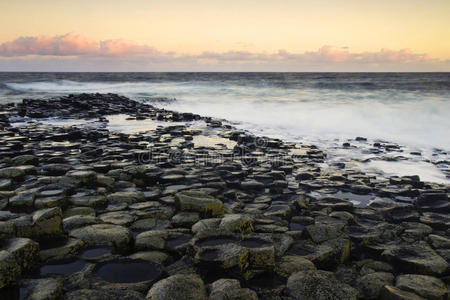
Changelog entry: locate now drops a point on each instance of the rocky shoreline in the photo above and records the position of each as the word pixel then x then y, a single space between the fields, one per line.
pixel 196 209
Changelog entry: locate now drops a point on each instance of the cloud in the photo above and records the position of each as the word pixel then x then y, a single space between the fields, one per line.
pixel 72 49
pixel 72 44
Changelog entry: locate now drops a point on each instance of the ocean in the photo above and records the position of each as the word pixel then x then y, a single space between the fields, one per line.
pixel 325 109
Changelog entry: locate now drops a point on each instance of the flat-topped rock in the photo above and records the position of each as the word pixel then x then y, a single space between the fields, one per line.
pixel 416 258
pixel 199 202
pixel 105 234
pixel 178 287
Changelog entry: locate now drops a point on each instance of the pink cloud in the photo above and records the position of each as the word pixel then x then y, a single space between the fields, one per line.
pixel 72 44
pixel 60 45
pixel 111 52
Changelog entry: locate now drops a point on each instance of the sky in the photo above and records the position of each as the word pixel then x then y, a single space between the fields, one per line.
pixel 245 35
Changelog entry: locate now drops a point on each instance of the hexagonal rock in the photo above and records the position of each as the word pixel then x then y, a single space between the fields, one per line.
pixel 200 202
pixel 42 289
pixel 237 223
pixel 151 240
pixel 178 287
pixel 17 256
pixel 290 264
pixel 416 258
pixel 103 294
pixel 16 172
pixel 230 289
pixel 318 285
pixel 389 292
pixel 105 234
pixel 425 286
pixel 127 197
pixel 83 177
pixel 223 256
pixel 371 284
pixel 47 223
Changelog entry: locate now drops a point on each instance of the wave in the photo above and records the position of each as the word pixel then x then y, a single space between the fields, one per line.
pixel 409 117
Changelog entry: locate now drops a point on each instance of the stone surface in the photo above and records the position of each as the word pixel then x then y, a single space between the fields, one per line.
pixel 416 258
pixel 318 285
pixel 199 202
pixel 105 234
pixel 178 287
pixel 422 285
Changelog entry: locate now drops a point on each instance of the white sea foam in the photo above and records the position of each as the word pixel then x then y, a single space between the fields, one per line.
pixel 411 118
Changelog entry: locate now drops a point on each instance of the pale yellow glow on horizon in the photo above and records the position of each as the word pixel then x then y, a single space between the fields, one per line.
pixel 258 26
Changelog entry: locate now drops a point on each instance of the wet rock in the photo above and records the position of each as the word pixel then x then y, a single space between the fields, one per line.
pixel 416 258
pixel 439 242
pixel 425 286
pixel 389 292
pixel 149 224
pixel 25 160
pixel 83 177
pixel 323 232
pixel 185 219
pixel 118 217
pixel 17 172
pixel 230 289
pixel 5 184
pixel 127 197
pixel 223 256
pixel 242 224
pixel 116 236
pixel 90 201
pixel 261 255
pixel 17 256
pixel 290 264
pixel 252 185
pixel 371 284
pixel 199 202
pixel 318 285
pixel 64 252
pixel 153 256
pixel 23 201
pixel 434 201
pixel 42 289
pixel 78 221
pixel 103 294
pixel 151 240
pixel 47 223
pixel 178 287
pixel 415 231
pixel 372 266
pixel 82 211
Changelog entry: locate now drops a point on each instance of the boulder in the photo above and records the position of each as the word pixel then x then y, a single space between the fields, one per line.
pixel 178 287
pixel 127 197
pixel 242 224
pixel 290 264
pixel 416 258
pixel 151 240
pixel 318 285
pixel 230 289
pixel 199 202
pixel 371 284
pixel 389 292
pixel 17 256
pixel 42 289
pixel 117 236
pixel 47 223
pixel 426 286
pixel 103 294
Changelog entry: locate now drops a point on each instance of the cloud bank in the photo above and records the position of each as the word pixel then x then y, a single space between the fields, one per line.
pixel 75 52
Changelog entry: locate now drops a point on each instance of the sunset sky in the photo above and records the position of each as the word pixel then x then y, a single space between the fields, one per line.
pixel 246 35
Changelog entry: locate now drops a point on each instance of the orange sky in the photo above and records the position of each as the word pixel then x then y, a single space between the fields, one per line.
pixel 264 27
